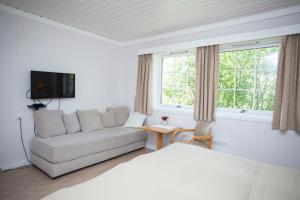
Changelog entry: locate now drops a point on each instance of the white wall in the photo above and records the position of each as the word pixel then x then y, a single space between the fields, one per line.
pixel 255 140
pixel 30 45
pixel 101 81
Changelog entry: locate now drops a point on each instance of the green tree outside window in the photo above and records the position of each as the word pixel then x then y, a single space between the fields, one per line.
pixel 246 79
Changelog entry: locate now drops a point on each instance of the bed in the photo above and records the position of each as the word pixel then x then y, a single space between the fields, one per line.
pixel 181 172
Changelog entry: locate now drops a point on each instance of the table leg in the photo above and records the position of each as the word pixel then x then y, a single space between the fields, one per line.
pixel 159 141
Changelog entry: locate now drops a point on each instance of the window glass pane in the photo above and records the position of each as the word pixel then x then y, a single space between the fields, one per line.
pixel 226 80
pixel 225 61
pixel 226 98
pixel 178 80
pixel 251 75
pixel 265 90
pixel 267 58
pixel 266 101
pixel 243 99
pixel 237 60
pixel 244 79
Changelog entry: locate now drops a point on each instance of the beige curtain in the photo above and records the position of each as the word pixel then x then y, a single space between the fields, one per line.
pixel 142 102
pixel 286 115
pixel 207 75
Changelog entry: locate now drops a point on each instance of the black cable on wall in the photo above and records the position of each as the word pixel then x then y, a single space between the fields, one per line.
pixel 21 133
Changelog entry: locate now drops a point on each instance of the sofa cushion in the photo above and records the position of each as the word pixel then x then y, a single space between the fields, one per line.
pixel 49 123
pixel 71 123
pixel 121 114
pixel 71 146
pixel 108 119
pixel 89 120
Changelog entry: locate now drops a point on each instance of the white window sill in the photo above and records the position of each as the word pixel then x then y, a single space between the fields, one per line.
pixel 262 117
pixel 185 111
pixel 253 117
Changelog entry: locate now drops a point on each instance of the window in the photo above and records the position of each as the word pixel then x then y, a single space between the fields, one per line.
pixel 247 78
pixel 178 79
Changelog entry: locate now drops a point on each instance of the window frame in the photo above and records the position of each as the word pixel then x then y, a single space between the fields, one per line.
pixel 274 43
pixel 227 113
pixel 160 68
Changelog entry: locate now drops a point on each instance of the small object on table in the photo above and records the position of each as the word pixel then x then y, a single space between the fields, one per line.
pixel 164 119
pixel 160 130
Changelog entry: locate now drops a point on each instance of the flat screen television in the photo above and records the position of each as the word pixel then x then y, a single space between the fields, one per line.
pixel 49 85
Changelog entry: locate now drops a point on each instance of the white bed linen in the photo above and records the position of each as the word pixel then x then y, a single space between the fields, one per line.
pixel 186 172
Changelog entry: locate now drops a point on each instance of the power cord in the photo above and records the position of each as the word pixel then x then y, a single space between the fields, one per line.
pixel 58 104
pixel 21 133
pixel 28 93
pixel 34 129
pixel 45 103
pixel 38 100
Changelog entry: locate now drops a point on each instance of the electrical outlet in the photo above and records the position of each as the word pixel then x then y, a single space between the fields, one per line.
pixel 18 116
pixel 220 145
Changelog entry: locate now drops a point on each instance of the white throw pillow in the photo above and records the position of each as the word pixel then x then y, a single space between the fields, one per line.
pixel 135 120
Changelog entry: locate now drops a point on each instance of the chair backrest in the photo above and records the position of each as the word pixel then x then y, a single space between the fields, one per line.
pixel 202 128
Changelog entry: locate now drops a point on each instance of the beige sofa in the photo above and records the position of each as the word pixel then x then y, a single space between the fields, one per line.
pixel 69 142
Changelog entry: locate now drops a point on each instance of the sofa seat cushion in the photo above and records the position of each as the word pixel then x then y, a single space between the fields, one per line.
pixel 71 146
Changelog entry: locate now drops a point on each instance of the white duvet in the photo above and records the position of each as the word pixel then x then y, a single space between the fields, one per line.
pixel 186 172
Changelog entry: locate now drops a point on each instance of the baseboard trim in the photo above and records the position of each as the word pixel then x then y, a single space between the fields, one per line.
pixel 217 145
pixel 14 165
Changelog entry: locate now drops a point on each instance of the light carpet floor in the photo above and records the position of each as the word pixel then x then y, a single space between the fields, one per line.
pixel 28 183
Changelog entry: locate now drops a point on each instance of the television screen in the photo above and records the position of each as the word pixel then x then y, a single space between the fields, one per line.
pixel 48 85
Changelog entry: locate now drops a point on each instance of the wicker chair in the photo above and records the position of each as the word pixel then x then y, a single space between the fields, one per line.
pixel 202 133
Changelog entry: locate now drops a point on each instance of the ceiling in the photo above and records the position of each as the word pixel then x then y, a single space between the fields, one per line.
pixel 125 20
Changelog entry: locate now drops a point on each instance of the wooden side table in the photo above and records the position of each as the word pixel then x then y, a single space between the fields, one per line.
pixel 160 132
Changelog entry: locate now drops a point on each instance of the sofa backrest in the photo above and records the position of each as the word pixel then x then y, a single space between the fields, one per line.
pixel 49 123
pixel 108 119
pixel 71 123
pixel 121 114
pixel 89 120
